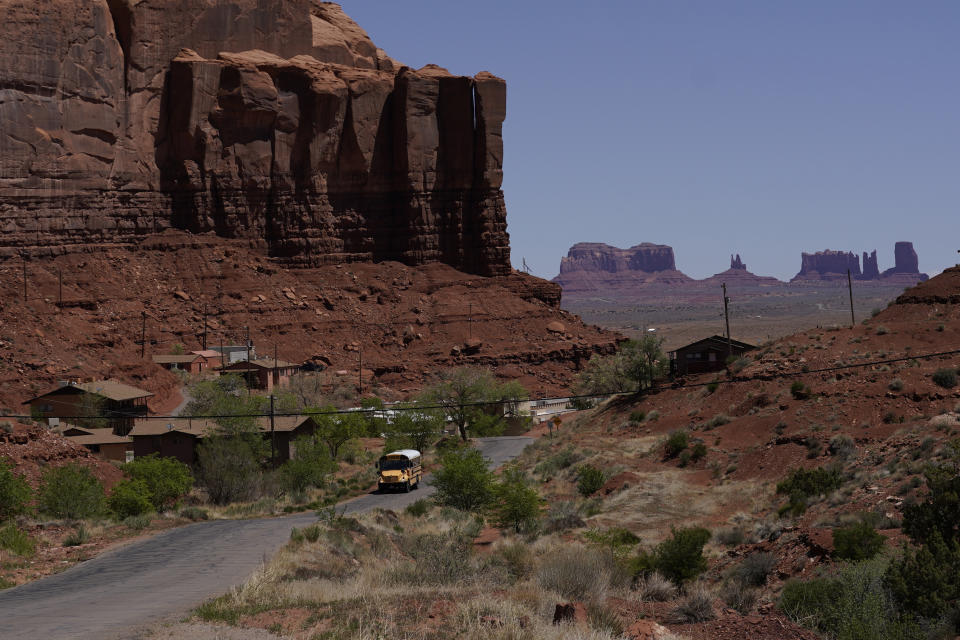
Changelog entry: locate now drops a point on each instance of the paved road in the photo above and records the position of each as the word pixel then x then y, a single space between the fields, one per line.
pixel 173 571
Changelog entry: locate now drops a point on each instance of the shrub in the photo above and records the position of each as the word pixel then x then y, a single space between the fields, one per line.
pixel 463 480
pixel 194 513
pixel 130 498
pixel 139 522
pixel 656 588
pixel 578 574
pixel 895 385
pixel 738 595
pixel 638 416
pixel 676 442
pixel 698 452
pixel 946 378
pixel 799 391
pixel 16 541
pixel 562 516
pixel 653 416
pixel 551 465
pixel 713 386
pixel 228 469
pixel 882 330
pixel 731 537
pixel 78 537
pixel 754 569
pixel 719 420
pixel 436 559
pixel 814 447
pixel 71 491
pixel 516 505
pixel 589 480
pixel 419 508
pixel 697 606
pixel 803 484
pixel 15 493
pixel 842 446
pixel 309 467
pixel 516 558
pixel 679 558
pixel 857 541
pixel 166 479
pixel 615 538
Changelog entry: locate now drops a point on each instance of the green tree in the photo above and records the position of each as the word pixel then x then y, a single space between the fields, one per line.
pixel 308 467
pixel 474 400
pixel 237 413
pixel 679 557
pixel 228 469
pixel 463 480
pixel 335 429
pixel 71 491
pixel 166 479
pixel 857 541
pixel 15 493
pixel 93 411
pixel 413 428
pixel 130 498
pixel 635 365
pixel 516 505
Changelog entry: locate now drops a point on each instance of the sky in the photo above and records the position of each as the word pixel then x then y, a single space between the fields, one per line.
pixel 717 127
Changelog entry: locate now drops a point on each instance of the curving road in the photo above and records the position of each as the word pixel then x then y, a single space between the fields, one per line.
pixel 141 583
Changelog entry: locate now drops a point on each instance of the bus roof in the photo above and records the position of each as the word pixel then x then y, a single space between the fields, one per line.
pixel 406 453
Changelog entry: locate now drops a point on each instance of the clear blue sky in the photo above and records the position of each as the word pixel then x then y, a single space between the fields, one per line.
pixel 753 127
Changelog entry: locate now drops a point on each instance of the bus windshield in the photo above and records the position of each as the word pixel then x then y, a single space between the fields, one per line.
pixel 393 465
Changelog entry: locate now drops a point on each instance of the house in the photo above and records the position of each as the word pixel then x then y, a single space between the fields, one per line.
pixel 211 358
pixel 263 374
pixel 708 354
pixel 191 362
pixel 104 443
pixel 179 437
pixel 235 352
pixel 100 404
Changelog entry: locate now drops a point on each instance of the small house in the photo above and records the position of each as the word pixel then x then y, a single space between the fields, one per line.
pixel 190 362
pixel 234 353
pixel 263 374
pixel 100 404
pixel 708 354
pixel 104 443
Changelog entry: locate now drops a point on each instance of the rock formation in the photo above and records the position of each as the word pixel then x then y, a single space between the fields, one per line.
pixel 905 260
pixel 828 265
pixel 870 269
pixel 737 263
pixel 274 120
pixel 590 267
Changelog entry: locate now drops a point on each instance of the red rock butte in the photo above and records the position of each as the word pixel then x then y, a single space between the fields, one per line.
pixel 274 120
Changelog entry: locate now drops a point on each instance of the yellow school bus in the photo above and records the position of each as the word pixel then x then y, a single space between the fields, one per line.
pixel 400 470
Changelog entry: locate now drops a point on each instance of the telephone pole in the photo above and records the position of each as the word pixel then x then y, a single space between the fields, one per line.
pixel 726 314
pixel 853 321
pixel 204 327
pixel 273 435
pixel 24 278
pixel 143 334
pixel 60 280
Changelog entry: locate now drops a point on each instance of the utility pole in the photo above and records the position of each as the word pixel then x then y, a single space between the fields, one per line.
pixel 24 278
pixel 273 435
pixel 470 322
pixel 143 334
pixel 276 367
pixel 223 353
pixel 60 280
pixel 204 327
pixel 246 376
pixel 853 321
pixel 726 314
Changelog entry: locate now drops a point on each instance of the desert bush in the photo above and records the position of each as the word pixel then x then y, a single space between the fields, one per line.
pixel 589 480
pixel 194 513
pixel 130 498
pixel 739 364
pixel 139 522
pixel 679 557
pixel 435 559
pixel 842 446
pixel 309 466
pixel 562 516
pixel 882 330
pixel 16 541
pixel 562 460
pixel 578 573
pixel 738 595
pixel 419 508
pixel 166 479
pixel 856 541
pixel 754 569
pixel 515 505
pixel 802 484
pixel 799 391
pixel 79 536
pixel 698 452
pixel 71 491
pixel 719 420
pixel 713 386
pixel 895 385
pixel 516 558
pixel 615 538
pixel 463 480
pixel 677 441
pixel 638 416
pixel 946 378
pixel 15 493
pixel 814 447
pixel 653 415
pixel 696 606
pixel 730 537
pixel 228 469
pixel 656 588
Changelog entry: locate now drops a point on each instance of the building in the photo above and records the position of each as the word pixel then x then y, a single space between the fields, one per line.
pixel 235 352
pixel 708 354
pixel 179 437
pixel 101 404
pixel 211 358
pixel 104 443
pixel 263 374
pixel 190 362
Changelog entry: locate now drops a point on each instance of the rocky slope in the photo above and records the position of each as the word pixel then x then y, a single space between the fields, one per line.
pixel 274 120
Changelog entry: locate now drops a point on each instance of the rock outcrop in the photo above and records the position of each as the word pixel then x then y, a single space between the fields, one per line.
pixel 593 266
pixel 274 120
pixel 906 261
pixel 833 265
pixel 828 265
pixel 870 269
pixel 737 263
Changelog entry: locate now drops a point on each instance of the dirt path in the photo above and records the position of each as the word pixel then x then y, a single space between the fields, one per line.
pixel 141 583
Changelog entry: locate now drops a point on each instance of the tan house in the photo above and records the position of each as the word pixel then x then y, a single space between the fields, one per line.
pixel 263 374
pixel 104 443
pixel 100 404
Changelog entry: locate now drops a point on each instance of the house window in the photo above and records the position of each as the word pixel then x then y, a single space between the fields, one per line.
pixel 713 357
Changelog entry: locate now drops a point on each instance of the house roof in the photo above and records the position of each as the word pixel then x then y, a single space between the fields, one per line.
pixel 721 340
pixel 201 428
pixel 110 389
pixel 176 359
pixel 260 363
pixel 209 353
pixel 99 436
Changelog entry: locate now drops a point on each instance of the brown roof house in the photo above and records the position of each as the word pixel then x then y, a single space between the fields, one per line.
pixel 190 362
pixel 263 374
pixel 100 404
pixel 708 354
pixel 104 443
pixel 179 437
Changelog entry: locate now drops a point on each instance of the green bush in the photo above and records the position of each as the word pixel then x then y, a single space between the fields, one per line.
pixel 78 537
pixel 713 386
pixel 719 420
pixel 754 569
pixel 419 508
pixel 616 538
pixel 71 491
pixel 638 416
pixel 803 484
pixel 15 493
pixel 463 480
pixel 228 468
pixel 562 460
pixel 799 390
pixel 679 558
pixel 698 452
pixel 141 521
pixel 516 505
pixel 676 442
pixel 166 479
pixel 946 378
pixel 309 466
pixel 857 541
pixel 589 480
pixel 130 498
pixel 194 513
pixel 16 541
pixel 842 446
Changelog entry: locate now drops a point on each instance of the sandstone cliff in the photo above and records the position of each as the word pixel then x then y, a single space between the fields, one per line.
pixel 592 267
pixel 828 265
pixel 274 120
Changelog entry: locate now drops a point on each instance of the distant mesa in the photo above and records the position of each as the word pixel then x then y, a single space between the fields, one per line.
pixel 833 265
pixel 737 263
pixel 592 268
